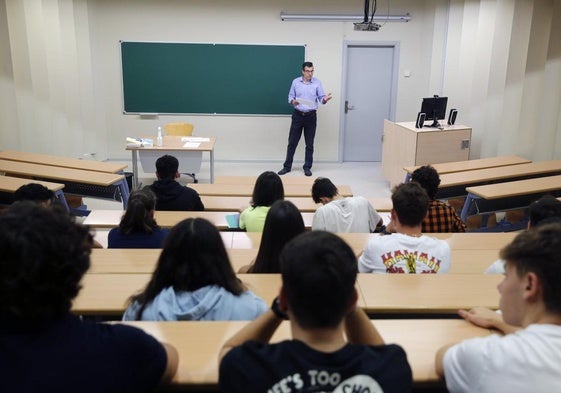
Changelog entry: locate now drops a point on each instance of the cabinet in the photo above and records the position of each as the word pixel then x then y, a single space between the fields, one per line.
pixel 404 145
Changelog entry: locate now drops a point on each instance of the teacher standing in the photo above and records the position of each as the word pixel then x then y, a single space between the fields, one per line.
pixel 304 95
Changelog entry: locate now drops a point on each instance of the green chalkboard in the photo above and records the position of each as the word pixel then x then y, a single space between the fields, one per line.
pixel 209 78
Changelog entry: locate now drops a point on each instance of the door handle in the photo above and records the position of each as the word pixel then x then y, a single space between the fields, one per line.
pixel 348 107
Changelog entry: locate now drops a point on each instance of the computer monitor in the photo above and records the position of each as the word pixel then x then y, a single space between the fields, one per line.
pixel 435 109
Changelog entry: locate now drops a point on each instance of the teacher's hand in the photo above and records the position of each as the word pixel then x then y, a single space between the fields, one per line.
pixel 294 102
pixel 326 98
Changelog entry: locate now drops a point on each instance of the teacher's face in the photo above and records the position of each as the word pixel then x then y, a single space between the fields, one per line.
pixel 307 73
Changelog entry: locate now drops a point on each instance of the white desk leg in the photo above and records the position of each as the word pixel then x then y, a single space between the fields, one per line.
pixel 135 169
pixel 212 166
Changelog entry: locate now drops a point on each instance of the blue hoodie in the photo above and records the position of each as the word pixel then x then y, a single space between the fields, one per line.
pixel 210 303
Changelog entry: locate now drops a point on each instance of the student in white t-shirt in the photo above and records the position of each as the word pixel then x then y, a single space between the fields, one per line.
pixel 407 250
pixel 528 357
pixel 339 214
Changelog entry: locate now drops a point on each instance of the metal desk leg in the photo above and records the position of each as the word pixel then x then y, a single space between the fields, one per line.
pixel 134 169
pixel 124 189
pixel 407 177
pixel 62 199
pixel 465 210
pixel 212 166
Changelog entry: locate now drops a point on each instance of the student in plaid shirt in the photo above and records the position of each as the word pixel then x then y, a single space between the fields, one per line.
pixel 441 217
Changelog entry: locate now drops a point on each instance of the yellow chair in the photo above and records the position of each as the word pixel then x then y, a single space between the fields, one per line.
pixel 181 129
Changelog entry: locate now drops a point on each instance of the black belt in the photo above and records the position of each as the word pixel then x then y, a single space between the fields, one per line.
pixel 304 113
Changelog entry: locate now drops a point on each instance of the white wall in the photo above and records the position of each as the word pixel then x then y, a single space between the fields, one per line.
pixel 499 61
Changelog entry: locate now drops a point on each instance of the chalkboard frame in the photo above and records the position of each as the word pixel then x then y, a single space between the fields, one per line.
pixel 208 78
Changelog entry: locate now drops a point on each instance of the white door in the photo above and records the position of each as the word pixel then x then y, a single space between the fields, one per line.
pixel 369 99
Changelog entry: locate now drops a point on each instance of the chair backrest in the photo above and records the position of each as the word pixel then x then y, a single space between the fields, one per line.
pixel 179 129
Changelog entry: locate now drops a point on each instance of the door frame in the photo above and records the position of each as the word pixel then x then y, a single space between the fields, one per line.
pixel 395 75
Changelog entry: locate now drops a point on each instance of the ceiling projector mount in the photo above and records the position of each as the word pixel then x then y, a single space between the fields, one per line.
pixel 368 23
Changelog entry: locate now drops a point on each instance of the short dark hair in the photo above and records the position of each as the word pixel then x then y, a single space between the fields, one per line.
pixel 410 202
pixel 428 178
pixel 283 222
pixel 193 257
pixel 268 188
pixel 547 209
pixel 323 188
pixel 138 217
pixel 166 167
pixel 307 64
pixel 537 250
pixel 318 276
pixel 34 192
pixel 44 256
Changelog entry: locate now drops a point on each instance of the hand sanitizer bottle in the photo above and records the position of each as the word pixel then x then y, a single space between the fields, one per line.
pixel 159 141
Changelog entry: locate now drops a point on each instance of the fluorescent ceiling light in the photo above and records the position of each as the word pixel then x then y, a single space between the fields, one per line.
pixel 341 18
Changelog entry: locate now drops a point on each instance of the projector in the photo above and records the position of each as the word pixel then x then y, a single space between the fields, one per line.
pixel 367 26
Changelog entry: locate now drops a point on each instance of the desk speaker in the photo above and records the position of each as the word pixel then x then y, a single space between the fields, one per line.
pixel 421 116
pixel 452 116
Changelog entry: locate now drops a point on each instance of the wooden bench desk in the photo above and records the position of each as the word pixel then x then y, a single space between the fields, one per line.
pixel 76 181
pixel 199 344
pixel 472 261
pixel 509 195
pixel 454 184
pixel 138 260
pixel 290 190
pixel 168 219
pixel 427 293
pixel 470 165
pixel 10 185
pixel 286 180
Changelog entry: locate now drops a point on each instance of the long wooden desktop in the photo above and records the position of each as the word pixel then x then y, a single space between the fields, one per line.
pixel 187 155
pixel 9 185
pixel 290 190
pixel 199 343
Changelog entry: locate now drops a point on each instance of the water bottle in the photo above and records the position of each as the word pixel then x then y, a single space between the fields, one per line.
pixel 159 140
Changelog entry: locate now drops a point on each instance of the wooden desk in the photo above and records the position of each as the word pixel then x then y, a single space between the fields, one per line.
pixel 76 181
pixel 107 294
pixel 168 219
pixel 470 165
pixel 136 260
pixel 290 190
pixel 173 145
pixel 65 162
pixel 199 343
pixel 472 261
pixel 509 195
pixel 454 184
pixel 428 293
pixel 10 185
pixel 286 180
pixel 404 145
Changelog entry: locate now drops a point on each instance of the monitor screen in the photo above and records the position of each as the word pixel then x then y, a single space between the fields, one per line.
pixel 435 109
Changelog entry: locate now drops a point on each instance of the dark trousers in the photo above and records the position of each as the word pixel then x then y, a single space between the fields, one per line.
pixel 301 121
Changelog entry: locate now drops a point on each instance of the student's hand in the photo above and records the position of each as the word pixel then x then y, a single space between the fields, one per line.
pixel 486 318
pixel 326 98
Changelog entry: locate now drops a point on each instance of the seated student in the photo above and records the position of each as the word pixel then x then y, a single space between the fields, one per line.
pixel 545 210
pixel 441 217
pixel 339 214
pixel 407 250
pixel 335 347
pixel 35 192
pixel 138 228
pixel 170 195
pixel 46 348
pixel 284 222
pixel 268 189
pixel 194 280
pixel 529 359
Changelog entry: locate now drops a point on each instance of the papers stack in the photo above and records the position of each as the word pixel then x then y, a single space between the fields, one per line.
pixel 139 142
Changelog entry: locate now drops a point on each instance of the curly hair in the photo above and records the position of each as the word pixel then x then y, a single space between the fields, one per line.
pixel 428 178
pixel 45 253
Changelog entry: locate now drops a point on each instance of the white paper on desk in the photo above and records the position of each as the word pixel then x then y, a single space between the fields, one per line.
pixel 307 103
pixel 191 145
pixel 194 139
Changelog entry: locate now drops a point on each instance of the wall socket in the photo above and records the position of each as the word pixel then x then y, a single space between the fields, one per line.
pixel 465 144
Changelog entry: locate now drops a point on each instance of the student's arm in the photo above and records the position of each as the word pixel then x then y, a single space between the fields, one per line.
pixel 360 330
pixel 439 360
pixel 489 319
pixel 171 364
pixel 260 330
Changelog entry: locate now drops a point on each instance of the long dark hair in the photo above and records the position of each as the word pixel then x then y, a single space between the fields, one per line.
pixel 139 216
pixel 268 188
pixel 193 257
pixel 283 222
